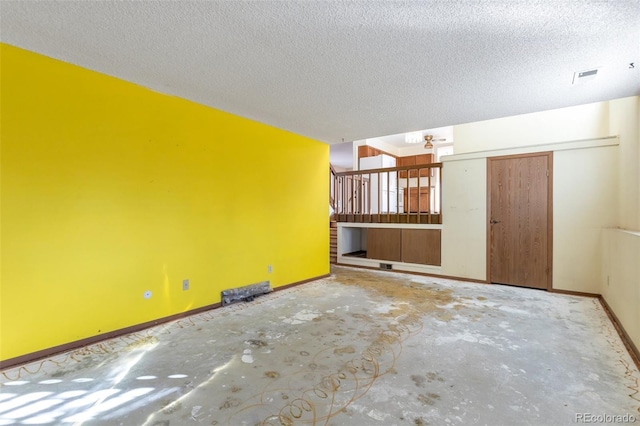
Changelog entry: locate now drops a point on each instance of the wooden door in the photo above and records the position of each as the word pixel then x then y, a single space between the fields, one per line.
pixel 520 220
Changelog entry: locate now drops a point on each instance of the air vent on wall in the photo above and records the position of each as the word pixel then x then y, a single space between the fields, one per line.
pixel 580 77
pixel 246 293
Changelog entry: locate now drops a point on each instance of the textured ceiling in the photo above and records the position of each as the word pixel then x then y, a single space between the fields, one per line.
pixel 343 70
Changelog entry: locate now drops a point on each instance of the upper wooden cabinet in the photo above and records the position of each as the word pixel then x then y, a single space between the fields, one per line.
pixel 407 161
pixel 410 160
pixel 424 159
pixel 415 160
pixel 369 151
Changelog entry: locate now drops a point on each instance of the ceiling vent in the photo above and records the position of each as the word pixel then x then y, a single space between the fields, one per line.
pixel 580 77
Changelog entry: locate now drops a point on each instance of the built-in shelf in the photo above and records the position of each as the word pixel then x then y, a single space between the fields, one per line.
pixel 410 247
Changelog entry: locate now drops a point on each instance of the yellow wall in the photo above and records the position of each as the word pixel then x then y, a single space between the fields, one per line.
pixel 110 189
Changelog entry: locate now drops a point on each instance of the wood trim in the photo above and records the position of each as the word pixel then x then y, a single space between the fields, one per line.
pixel 550 221
pixel 486 221
pixel 626 339
pixel 423 274
pixel 297 283
pixel 34 356
pixel 44 353
pixel 549 155
pixel 389 169
pixel 574 293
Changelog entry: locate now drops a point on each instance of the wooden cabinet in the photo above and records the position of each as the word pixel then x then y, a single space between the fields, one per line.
pixel 365 151
pixel 406 161
pixel 424 159
pixel 415 160
pixel 414 198
pixel 421 246
pixel 384 244
pixel 369 151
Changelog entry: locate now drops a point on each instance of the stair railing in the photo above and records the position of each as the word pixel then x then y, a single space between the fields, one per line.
pixel 405 194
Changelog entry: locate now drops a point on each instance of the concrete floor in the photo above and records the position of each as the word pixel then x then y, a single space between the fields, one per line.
pixel 359 348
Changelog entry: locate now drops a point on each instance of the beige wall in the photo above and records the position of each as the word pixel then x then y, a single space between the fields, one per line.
pixel 585 194
pixel 596 190
pixel 464 247
pixel 624 117
pixel 560 125
pixel 584 202
pixel 621 278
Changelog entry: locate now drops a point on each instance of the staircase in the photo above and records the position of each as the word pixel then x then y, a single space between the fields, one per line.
pixel 333 225
pixel 333 241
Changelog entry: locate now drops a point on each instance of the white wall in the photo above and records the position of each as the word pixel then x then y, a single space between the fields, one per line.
pixel 585 189
pixel 625 121
pixel 464 206
pixel 560 125
pixel 584 202
pixel 376 143
pixel 621 278
pixel 356 144
pixel 350 239
pixel 596 189
pixel 585 197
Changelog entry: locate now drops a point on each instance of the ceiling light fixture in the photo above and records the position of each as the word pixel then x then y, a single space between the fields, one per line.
pixel 428 143
pixel 413 137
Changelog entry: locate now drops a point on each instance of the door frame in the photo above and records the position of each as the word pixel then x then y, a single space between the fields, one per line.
pixel 549 155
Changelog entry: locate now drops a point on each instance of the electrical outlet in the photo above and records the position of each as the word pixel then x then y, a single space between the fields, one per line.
pixel 147 294
pixel 185 284
pixel 270 269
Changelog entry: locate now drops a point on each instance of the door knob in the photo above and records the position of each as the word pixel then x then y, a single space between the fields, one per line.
pixel 493 221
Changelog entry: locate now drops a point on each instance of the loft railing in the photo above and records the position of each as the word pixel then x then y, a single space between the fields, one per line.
pixel 407 194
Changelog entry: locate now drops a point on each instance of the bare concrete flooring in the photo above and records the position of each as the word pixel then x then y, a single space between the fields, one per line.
pixel 359 348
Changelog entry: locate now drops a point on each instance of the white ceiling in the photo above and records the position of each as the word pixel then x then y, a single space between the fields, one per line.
pixel 348 70
pixel 440 135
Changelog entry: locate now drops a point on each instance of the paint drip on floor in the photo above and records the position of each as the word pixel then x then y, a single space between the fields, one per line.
pixel 247 358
